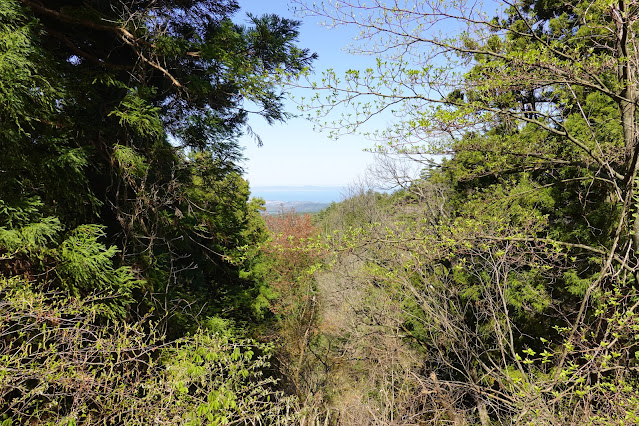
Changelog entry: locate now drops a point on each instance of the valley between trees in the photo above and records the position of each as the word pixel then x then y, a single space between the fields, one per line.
pixel 140 284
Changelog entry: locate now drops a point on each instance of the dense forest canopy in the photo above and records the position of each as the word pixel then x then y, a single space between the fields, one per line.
pixel 509 270
pixel 140 284
pixel 122 202
pixel 126 117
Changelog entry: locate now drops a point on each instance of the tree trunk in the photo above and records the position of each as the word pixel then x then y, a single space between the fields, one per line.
pixel 627 105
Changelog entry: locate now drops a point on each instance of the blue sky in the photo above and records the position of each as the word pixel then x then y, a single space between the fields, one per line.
pixel 293 153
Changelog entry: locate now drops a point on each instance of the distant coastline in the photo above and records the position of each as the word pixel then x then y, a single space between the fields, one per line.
pixel 303 199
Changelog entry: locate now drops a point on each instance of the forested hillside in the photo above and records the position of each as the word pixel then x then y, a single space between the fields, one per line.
pixel 500 286
pixel 139 283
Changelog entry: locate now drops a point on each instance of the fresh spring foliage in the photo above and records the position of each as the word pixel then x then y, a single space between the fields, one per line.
pixel 61 367
pixel 501 286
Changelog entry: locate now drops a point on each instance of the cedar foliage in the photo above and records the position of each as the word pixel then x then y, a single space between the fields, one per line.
pixel 127 238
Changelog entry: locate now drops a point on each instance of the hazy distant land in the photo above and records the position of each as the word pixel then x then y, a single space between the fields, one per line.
pixel 304 199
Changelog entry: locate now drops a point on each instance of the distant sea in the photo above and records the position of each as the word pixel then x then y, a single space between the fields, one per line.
pixel 313 194
pixel 302 199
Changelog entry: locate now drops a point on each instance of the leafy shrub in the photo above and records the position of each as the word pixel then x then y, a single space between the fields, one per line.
pixel 57 366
